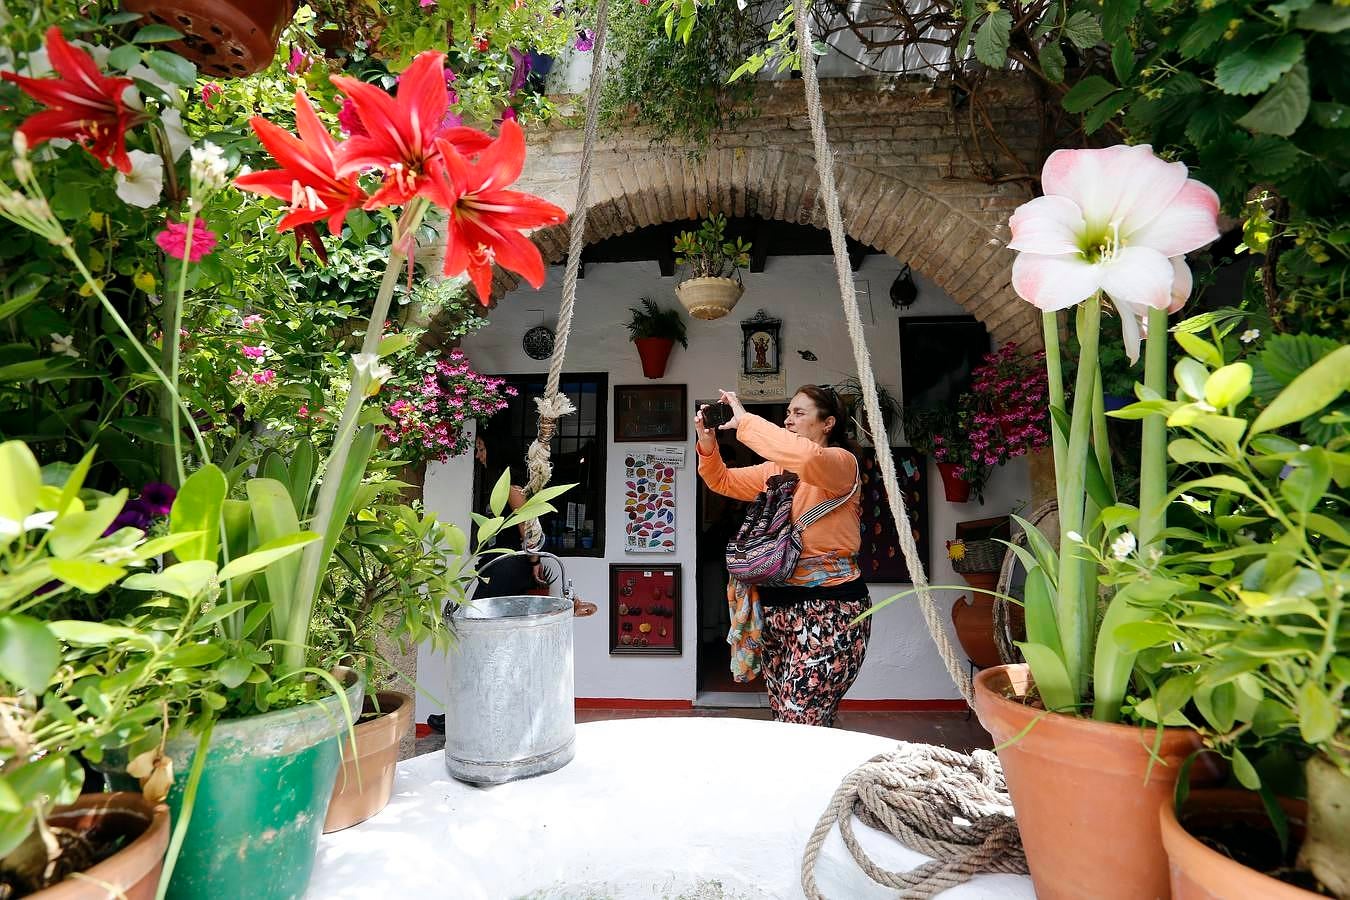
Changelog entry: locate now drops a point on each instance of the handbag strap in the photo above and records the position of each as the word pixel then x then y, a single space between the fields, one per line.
pixel 825 507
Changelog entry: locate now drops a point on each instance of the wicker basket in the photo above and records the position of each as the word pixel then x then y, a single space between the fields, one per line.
pixel 709 298
pixel 980 556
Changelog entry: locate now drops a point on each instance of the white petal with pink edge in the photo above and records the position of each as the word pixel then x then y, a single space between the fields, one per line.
pixel 1132 327
pixel 1050 226
pixel 1188 223
pixel 1054 282
pixel 1139 276
pixel 1080 175
pixel 1181 284
pixel 1143 184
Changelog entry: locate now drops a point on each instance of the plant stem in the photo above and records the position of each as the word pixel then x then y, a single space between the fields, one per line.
pixel 312 559
pixel 1054 370
pixel 1153 453
pixel 1101 438
pixel 1076 610
pixel 185 808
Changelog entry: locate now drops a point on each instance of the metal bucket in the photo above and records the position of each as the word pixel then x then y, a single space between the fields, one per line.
pixel 510 702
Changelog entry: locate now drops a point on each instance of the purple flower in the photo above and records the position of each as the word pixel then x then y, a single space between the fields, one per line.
pixel 585 40
pixel 522 69
pixel 136 514
pixel 157 498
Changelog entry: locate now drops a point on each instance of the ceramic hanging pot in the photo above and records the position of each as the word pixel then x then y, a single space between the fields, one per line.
pixel 954 488
pixel 709 298
pixel 225 38
pixel 655 353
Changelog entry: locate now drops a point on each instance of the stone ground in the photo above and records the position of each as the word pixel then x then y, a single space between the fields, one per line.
pixel 956 730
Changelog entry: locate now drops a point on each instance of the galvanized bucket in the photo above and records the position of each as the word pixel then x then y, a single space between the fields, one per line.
pixel 510 703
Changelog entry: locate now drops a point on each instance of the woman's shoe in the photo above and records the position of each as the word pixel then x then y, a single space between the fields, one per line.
pixel 436 723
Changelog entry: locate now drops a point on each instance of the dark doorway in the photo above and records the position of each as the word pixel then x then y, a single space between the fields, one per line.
pixel 718 520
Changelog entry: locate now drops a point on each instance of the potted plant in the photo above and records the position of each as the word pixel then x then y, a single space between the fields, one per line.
pixel 1075 770
pixel 850 394
pixel 1244 637
pixel 976 554
pixel 655 330
pixel 713 283
pixel 228 38
pixel 944 435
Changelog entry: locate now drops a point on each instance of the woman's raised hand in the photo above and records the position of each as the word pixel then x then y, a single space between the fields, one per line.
pixel 737 410
pixel 706 438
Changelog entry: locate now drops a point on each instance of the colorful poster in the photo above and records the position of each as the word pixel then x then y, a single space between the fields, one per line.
pixel 649 503
pixel 880 557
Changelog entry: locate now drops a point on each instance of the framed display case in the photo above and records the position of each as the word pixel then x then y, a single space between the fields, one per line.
pixel 650 412
pixel 644 610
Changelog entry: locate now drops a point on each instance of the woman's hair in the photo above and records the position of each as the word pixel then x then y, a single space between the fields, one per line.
pixel 499 458
pixel 828 404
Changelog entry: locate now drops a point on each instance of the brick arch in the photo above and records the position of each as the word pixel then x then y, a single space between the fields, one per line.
pixel 959 249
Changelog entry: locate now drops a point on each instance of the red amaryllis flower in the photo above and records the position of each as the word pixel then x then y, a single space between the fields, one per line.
pixel 401 132
pixel 308 176
pixel 485 221
pixel 83 104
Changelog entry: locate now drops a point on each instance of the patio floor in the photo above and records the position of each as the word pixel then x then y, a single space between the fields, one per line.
pixel 957 730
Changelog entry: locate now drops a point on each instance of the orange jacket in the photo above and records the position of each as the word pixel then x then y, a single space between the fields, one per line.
pixel 825 473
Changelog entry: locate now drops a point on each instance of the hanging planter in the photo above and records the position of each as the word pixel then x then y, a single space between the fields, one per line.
pixel 713 284
pixel 709 298
pixel 954 487
pixel 655 330
pixel 654 353
pixel 226 38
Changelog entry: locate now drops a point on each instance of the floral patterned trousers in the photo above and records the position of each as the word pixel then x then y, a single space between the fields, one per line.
pixel 811 656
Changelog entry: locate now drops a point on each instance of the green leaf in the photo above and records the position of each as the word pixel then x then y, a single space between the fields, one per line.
pixel 1191 377
pixel 184 579
pixel 22 478
pixel 501 491
pixel 193 656
pixel 1174 694
pixel 149 428
pixel 1254 68
pixel 274 518
pixel 1204 31
pixel 1307 483
pixel 1318 716
pixel 267 554
pixel 1270 155
pixel 124 57
pixel 1217 482
pixel 1039 611
pixel 991 41
pixel 96 634
pixel 1283 108
pixel 1229 385
pixel 1113 663
pixel 197 508
pixel 1244 771
pixel 1324 115
pixel 1122 61
pixel 393 343
pixel 1323 17
pixel 1312 390
pixel 1189 450
pixel 155 34
pixel 1052 679
pixel 75 532
pixel 90 577
pixel 1087 93
pixel 172 67
pixel 1083 30
pixel 1104 111
pixel 233 672
pixel 1116 17
pixel 29 653
pixel 1052 62
pixel 1328 527
pixel 1200 348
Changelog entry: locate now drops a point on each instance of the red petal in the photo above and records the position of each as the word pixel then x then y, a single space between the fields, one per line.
pixel 504 159
pixel 386 143
pixel 422 98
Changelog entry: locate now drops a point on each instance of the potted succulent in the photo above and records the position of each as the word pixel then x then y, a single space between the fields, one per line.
pixel 1075 766
pixel 655 330
pixel 713 283
pixel 1244 637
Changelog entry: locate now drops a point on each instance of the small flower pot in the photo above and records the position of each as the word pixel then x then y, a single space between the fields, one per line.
pixel 655 353
pixel 955 489
pixel 709 298
pixel 974 620
pixel 366 781
pixel 132 872
pixel 226 38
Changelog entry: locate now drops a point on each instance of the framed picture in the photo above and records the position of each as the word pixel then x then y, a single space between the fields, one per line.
pixel 937 355
pixel 650 412
pixel 644 610
pixel 760 345
pixel 879 556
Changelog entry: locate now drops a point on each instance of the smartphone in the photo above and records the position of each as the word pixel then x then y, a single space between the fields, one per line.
pixel 716 414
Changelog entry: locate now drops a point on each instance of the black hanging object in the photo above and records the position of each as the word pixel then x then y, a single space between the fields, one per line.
pixel 538 342
pixel 903 289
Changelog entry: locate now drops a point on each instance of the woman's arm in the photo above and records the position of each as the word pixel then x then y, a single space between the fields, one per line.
pixel 742 483
pixel 832 469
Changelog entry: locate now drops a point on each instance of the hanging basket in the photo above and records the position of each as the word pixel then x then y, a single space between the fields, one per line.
pixel 954 488
pixel 654 353
pixel 709 298
pixel 226 38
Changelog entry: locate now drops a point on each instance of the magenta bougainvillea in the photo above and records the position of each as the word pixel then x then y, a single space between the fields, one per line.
pixel 430 406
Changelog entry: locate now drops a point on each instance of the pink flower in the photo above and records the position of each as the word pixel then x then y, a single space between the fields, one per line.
pixel 303 411
pixel 349 120
pixel 253 352
pixel 1118 220
pixel 299 62
pixel 266 376
pixel 173 240
pixel 426 3
pixel 210 91
pixel 252 321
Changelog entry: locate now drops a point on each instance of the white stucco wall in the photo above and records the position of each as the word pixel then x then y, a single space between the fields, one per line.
pixel 901 661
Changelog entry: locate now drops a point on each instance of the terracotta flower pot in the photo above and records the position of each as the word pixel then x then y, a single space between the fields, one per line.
pixel 1085 797
pixel 226 38
pixel 973 617
pixel 956 490
pixel 709 298
pixel 135 869
pixel 365 783
pixel 655 352
pixel 1201 873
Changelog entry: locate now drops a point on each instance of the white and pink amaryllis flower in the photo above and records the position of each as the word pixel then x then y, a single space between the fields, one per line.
pixel 1117 220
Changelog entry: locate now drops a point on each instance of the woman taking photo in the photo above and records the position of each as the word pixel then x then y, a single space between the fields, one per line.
pixel 797 634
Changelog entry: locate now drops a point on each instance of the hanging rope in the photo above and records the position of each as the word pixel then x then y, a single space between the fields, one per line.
pixel 952 807
pixel 554 405
pixel 830 197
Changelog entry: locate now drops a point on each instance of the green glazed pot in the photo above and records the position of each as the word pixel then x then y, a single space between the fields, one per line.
pixel 260 804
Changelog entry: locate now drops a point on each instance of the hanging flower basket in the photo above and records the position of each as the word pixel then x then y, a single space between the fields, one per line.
pixel 955 489
pixel 654 353
pixel 709 298
pixel 226 38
